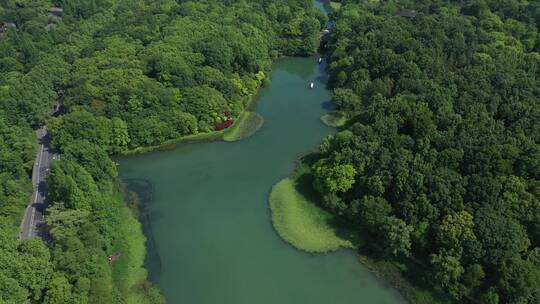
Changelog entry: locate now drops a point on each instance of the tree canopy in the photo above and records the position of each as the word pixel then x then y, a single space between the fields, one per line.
pixel 443 137
pixel 127 74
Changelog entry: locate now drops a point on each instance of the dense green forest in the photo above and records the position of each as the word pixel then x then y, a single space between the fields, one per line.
pixel 161 70
pixel 440 158
pixel 128 74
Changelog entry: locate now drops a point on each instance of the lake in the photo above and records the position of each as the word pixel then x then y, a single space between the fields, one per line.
pixel 207 218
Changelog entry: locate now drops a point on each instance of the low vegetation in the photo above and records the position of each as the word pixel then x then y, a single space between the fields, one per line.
pixel 172 143
pixel 245 126
pixel 302 223
pixel 335 119
pixel 128 271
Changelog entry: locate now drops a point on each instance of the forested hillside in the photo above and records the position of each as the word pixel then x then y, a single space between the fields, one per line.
pixel 159 70
pixel 128 74
pixel 440 159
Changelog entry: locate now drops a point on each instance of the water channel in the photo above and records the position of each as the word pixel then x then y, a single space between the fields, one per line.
pixel 208 221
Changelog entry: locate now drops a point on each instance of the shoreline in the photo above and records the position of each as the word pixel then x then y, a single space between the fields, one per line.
pixel 172 144
pixel 389 272
pixel 212 136
pixel 132 276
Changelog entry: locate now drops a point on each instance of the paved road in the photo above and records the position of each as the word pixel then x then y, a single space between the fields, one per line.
pixel 34 215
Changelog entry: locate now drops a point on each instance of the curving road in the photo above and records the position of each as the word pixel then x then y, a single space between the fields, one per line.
pixel 34 214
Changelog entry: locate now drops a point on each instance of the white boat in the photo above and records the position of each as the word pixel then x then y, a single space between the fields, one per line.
pixel 311 85
pixel 320 60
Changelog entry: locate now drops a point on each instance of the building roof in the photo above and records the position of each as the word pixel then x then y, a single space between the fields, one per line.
pixel 407 13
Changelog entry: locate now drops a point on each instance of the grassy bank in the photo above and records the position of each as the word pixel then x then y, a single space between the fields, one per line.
pixel 170 144
pixel 129 273
pixel 245 126
pixel 210 136
pixel 301 222
pixel 335 119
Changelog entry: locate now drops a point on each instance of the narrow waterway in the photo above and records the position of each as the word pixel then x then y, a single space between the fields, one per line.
pixel 207 209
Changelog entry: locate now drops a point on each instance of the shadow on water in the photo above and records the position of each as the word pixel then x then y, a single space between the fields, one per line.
pixel 143 193
pixel 369 251
pixel 296 69
pixel 328 106
pixel 304 185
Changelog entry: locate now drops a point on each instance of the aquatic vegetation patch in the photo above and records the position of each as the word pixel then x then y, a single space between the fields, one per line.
pixel 245 126
pixel 336 119
pixel 129 273
pixel 301 222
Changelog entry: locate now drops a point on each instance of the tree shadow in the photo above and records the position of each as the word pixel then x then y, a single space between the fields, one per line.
pixel 299 66
pixel 304 180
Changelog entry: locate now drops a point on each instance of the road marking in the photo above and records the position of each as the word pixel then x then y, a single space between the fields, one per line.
pixel 31 224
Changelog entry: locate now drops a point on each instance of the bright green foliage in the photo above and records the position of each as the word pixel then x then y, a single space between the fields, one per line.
pixel 120 136
pixel 335 178
pixel 179 67
pixel 81 124
pixel 206 104
pixel 11 291
pixel 301 222
pixel 456 229
pixel 59 290
pixel 25 266
pixel 129 75
pixel 86 228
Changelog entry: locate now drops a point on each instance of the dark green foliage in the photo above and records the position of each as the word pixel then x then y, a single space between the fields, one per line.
pixel 444 138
